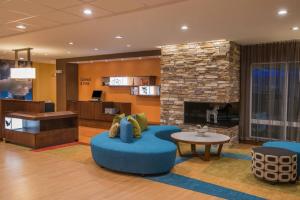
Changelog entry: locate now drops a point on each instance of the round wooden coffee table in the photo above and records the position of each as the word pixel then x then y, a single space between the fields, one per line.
pixel 194 138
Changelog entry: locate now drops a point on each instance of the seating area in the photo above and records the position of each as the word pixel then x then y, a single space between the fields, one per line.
pixel 151 154
pixel 149 99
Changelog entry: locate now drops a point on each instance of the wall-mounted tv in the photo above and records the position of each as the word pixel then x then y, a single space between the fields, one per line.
pixel 12 88
pixel 97 94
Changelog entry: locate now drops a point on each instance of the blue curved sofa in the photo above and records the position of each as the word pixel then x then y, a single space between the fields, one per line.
pixel 292 146
pixel 153 153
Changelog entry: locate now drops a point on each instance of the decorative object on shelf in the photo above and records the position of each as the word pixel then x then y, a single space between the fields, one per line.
pixel 27 72
pixel 111 111
pixel 201 131
pixel 119 81
pixel 146 90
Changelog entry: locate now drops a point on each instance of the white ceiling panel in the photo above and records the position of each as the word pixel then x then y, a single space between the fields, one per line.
pixel 5 31
pixel 78 10
pixel 157 2
pixel 39 22
pixel 58 4
pixel 24 6
pixel 61 17
pixel 7 16
pixel 117 6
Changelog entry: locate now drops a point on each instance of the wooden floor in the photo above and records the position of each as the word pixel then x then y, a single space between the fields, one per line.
pixel 26 175
pixel 86 133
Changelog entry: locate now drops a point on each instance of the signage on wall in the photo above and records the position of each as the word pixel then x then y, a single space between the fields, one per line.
pixel 85 81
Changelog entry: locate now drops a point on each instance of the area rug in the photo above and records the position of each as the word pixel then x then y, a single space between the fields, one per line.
pixel 228 177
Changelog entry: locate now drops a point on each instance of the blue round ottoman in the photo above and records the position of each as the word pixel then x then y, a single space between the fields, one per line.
pixel 292 146
pixel 153 153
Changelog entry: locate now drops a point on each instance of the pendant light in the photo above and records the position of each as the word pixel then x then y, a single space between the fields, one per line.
pixel 20 72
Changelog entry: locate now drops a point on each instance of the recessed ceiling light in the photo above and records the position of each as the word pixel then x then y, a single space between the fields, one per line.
pixel 96 49
pixel 71 43
pixel 119 37
pixel 282 12
pixel 21 58
pixel 128 45
pixel 295 28
pixel 87 11
pixel 21 26
pixel 184 27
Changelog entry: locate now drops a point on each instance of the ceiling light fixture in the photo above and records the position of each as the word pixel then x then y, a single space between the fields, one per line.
pixel 21 26
pixel 119 37
pixel 71 43
pixel 184 27
pixel 19 71
pixel 96 49
pixel 87 11
pixel 282 12
pixel 295 28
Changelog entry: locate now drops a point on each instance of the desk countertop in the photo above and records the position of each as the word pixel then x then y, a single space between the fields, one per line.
pixel 42 116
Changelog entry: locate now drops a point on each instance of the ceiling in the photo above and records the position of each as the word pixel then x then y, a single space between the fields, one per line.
pixel 144 24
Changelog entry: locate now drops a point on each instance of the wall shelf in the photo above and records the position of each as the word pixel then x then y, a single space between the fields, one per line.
pixel 145 90
pixel 121 81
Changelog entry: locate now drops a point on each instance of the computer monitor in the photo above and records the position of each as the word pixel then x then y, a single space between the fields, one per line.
pixel 97 94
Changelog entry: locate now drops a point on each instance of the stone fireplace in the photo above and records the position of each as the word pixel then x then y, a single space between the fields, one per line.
pixel 202 72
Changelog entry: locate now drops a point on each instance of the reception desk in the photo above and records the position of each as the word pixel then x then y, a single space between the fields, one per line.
pixel 37 130
pixel 12 105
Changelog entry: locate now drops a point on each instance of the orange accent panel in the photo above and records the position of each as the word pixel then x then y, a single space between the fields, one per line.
pixel 145 67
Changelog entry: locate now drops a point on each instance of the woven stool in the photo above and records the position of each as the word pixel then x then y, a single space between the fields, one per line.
pixel 274 164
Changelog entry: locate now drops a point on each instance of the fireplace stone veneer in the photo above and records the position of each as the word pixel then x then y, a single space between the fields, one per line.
pixel 199 72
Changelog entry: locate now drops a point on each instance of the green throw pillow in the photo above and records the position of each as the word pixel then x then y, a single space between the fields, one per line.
pixel 136 127
pixel 114 130
pixel 142 120
pixel 118 118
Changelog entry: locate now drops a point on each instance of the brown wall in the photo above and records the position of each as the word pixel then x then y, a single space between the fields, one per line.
pixel 144 67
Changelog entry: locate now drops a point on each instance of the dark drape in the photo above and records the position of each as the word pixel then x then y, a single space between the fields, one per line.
pixel 286 51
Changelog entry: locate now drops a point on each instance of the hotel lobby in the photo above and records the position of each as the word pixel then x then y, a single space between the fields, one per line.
pixel 149 99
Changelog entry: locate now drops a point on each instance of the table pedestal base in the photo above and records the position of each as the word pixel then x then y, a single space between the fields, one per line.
pixel 207 153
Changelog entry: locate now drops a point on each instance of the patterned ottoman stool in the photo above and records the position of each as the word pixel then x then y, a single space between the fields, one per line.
pixel 274 164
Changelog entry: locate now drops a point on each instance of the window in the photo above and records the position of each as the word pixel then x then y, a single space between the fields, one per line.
pixel 275 101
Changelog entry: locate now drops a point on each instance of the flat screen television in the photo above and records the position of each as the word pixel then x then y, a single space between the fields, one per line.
pixel 97 94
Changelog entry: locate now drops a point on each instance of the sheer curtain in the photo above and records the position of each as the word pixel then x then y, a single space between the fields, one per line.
pixel 275 102
pixel 293 109
pixel 268 101
pixel 270 87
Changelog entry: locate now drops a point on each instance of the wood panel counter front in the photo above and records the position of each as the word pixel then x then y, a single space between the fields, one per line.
pixel 41 129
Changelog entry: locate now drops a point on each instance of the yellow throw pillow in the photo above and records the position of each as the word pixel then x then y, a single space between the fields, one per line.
pixel 142 120
pixel 118 118
pixel 114 130
pixel 136 127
